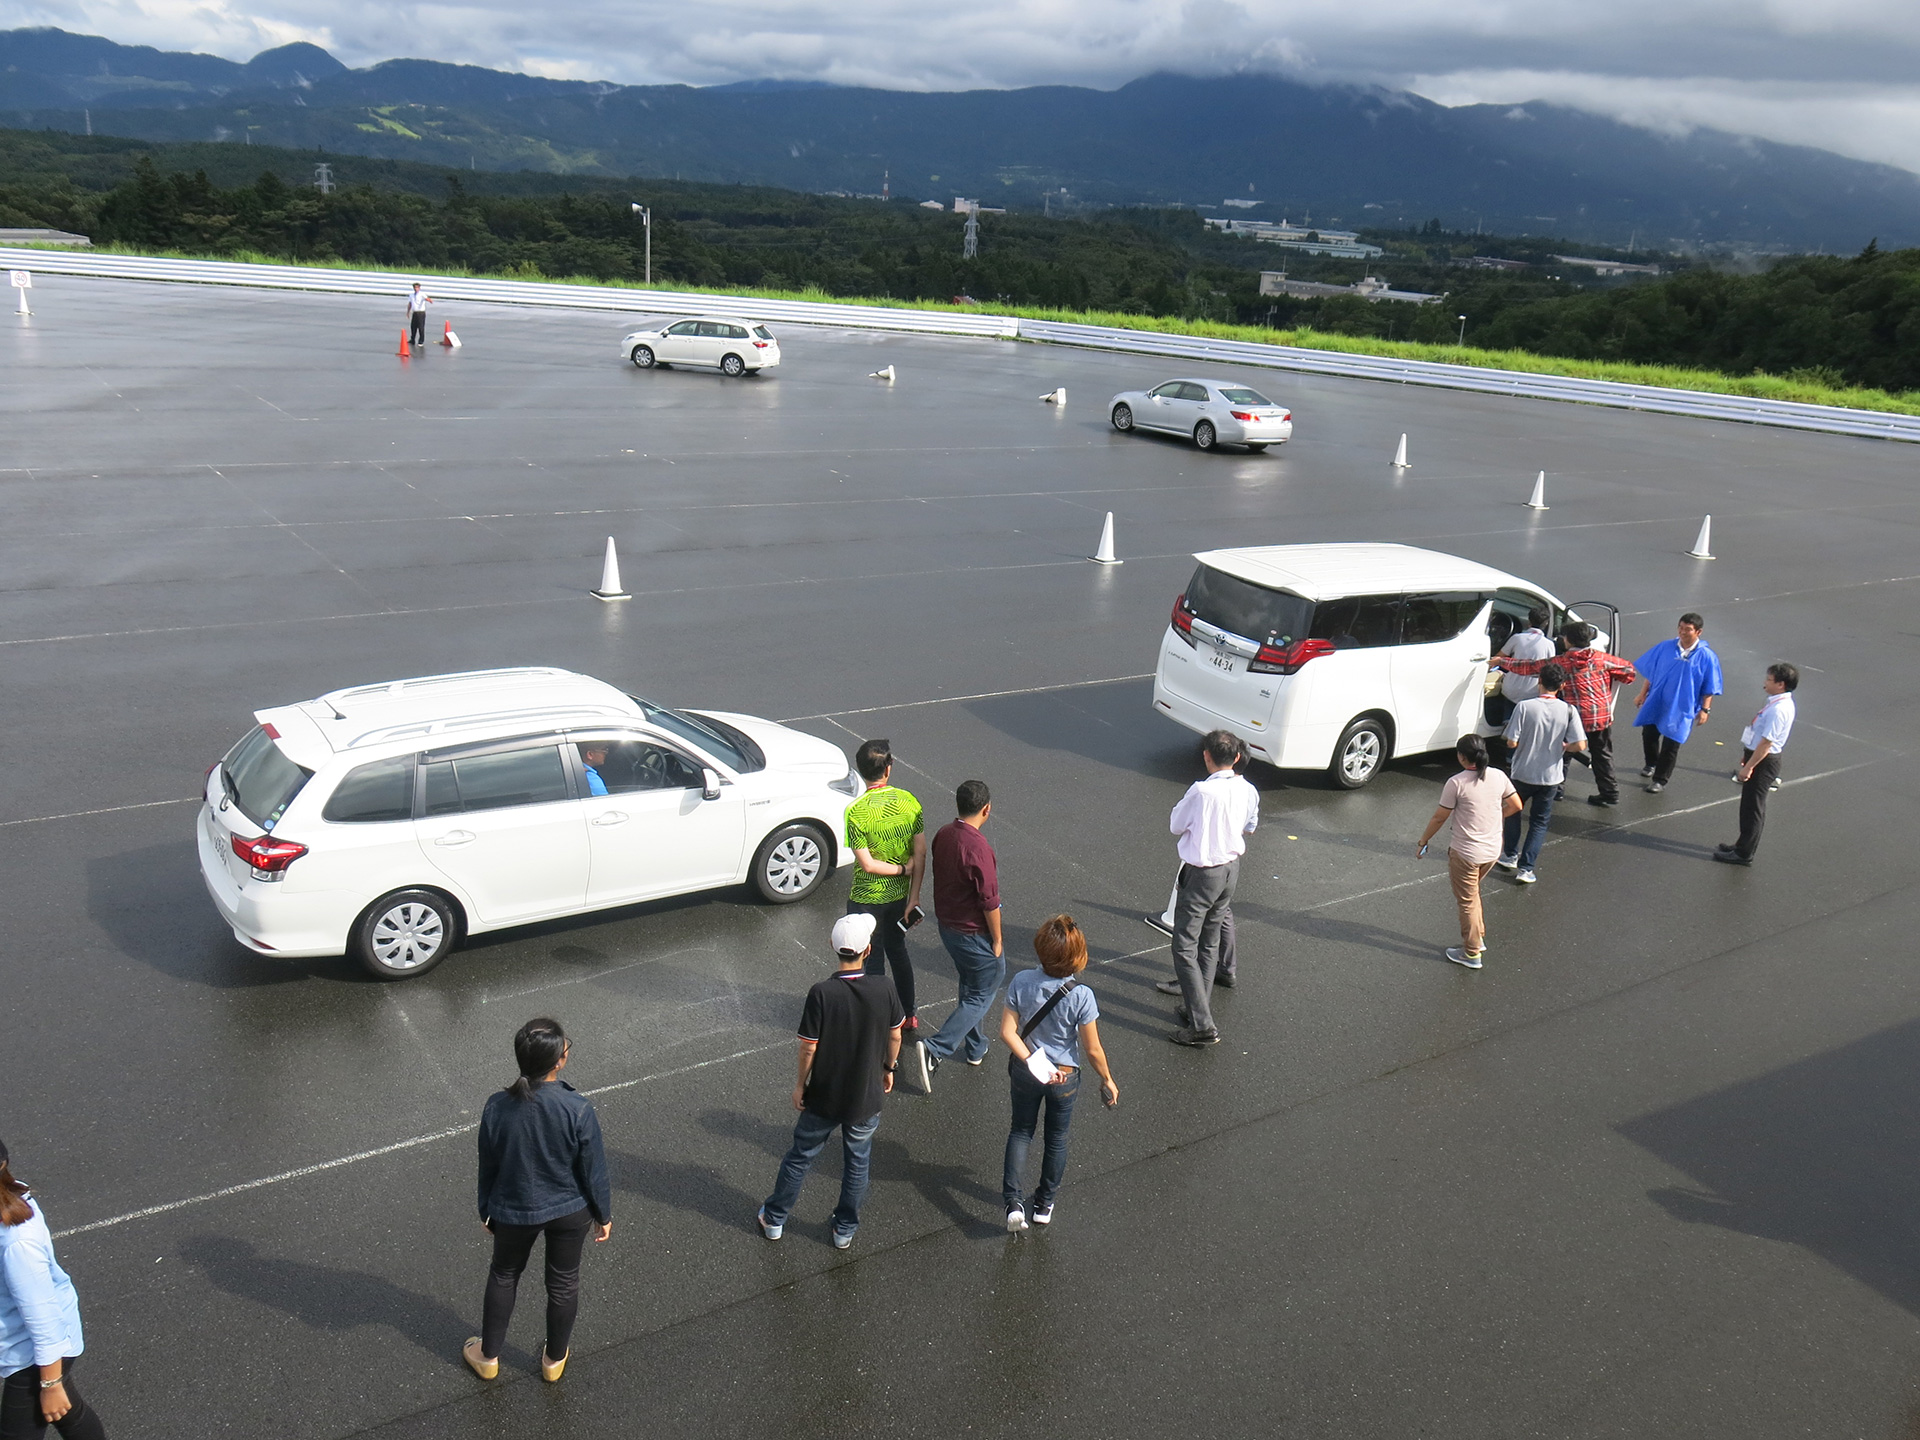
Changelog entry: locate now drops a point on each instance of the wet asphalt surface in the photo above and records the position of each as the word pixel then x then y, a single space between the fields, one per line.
pixel 1651 1172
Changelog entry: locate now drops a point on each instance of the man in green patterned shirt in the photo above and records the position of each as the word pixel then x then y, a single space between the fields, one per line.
pixel 888 838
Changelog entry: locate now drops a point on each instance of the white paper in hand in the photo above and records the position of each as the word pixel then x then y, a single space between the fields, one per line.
pixel 1039 1066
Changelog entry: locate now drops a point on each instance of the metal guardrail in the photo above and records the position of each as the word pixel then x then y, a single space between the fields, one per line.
pixel 1699 404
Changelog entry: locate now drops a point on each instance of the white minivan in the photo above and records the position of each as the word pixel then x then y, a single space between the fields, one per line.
pixel 1343 656
pixel 387 821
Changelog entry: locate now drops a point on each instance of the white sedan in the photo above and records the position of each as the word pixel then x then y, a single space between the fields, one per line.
pixel 1211 412
pixel 726 343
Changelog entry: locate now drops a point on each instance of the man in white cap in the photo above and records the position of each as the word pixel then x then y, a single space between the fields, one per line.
pixel 849 1049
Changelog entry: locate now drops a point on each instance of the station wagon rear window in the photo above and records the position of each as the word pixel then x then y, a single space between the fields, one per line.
pixel 262 780
pixel 1239 395
pixel 1242 608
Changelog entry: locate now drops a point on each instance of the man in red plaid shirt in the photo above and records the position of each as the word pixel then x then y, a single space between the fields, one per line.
pixel 1591 676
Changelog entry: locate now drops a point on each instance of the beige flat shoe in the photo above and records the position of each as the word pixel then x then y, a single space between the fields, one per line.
pixel 470 1352
pixel 552 1370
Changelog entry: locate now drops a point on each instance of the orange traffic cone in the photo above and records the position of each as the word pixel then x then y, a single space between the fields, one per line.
pixel 450 339
pixel 405 353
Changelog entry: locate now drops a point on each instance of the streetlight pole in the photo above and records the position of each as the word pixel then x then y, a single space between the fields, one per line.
pixel 646 219
pixel 1463 332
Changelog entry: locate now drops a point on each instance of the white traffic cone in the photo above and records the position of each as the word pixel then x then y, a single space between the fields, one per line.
pixel 886 375
pixel 1104 555
pixel 1055 397
pixel 1539 500
pixel 1400 456
pixel 449 339
pixel 610 577
pixel 1701 550
pixel 1165 921
pixel 23 310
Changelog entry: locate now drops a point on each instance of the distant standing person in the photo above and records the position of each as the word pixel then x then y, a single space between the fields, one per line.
pixel 1760 747
pixel 1591 675
pixel 40 1334
pixel 417 304
pixel 966 905
pixel 1679 679
pixel 849 1046
pixel 1478 800
pixel 543 1171
pixel 1540 734
pixel 1213 820
pixel 887 833
pixel 1050 1017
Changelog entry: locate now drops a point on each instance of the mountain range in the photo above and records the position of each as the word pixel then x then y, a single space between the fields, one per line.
pixel 1334 154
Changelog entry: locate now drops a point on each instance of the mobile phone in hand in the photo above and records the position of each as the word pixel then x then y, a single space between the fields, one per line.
pixel 912 918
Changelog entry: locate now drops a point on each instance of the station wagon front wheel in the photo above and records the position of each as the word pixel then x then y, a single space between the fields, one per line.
pixel 791 864
pixel 643 356
pixel 405 934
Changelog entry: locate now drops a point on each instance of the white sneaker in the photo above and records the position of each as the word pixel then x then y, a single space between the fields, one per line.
pixel 1507 862
pixel 1524 877
pixel 1043 1216
pixel 922 1070
pixel 1016 1221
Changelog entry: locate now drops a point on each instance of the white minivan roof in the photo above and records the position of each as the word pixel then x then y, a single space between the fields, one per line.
pixel 1330 572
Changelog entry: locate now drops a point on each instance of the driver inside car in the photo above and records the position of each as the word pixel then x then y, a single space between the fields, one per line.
pixel 593 755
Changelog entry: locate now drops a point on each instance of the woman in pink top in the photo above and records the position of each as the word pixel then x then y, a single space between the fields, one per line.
pixel 1478 799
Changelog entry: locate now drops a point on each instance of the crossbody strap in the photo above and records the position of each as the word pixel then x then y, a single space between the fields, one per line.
pixel 1047 1009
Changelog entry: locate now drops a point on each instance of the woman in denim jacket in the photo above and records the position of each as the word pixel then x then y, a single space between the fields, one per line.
pixel 39 1326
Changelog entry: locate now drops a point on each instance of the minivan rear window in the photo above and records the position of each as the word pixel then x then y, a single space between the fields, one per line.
pixel 1243 608
pixel 262 780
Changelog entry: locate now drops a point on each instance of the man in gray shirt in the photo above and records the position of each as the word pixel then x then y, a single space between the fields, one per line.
pixel 1540 734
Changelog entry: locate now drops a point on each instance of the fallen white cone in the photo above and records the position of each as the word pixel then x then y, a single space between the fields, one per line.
pixel 886 375
pixel 1400 456
pixel 1539 500
pixel 610 577
pixel 1055 397
pixel 1104 555
pixel 1702 543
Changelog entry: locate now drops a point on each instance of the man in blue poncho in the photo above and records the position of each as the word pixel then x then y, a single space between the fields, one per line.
pixel 1681 678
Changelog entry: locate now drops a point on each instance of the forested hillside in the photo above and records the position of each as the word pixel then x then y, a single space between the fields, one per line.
pixel 1841 320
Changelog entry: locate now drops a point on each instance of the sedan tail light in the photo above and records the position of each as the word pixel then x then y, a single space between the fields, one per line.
pixel 1286 415
pixel 1287 659
pixel 268 857
pixel 1243 415
pixel 1182 619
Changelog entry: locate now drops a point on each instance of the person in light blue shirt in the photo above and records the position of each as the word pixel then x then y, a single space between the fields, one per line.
pixel 39 1324
pixel 1052 1041
pixel 592 756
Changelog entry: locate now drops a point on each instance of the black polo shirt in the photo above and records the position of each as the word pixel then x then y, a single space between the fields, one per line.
pixel 849 1016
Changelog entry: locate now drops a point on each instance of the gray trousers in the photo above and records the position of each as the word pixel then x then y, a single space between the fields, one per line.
pixel 1205 893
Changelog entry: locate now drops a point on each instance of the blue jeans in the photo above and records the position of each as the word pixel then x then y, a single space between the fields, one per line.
pixel 1028 1095
pixel 810 1135
pixel 1534 815
pixel 980 972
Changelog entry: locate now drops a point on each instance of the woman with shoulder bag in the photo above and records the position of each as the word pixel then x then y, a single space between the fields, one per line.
pixel 1049 1017
pixel 543 1171
pixel 39 1326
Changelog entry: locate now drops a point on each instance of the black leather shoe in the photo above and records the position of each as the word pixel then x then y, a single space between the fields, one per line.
pixel 1603 799
pixel 1184 1036
pixel 1225 982
pixel 1730 857
pixel 1727 849
pixel 1167 987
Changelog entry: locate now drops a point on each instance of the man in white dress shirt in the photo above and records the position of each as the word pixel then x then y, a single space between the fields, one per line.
pixel 1213 820
pixel 1761 744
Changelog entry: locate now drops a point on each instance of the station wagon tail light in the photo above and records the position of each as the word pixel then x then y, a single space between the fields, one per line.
pixel 268 857
pixel 1287 659
pixel 1182 620
pixel 759 344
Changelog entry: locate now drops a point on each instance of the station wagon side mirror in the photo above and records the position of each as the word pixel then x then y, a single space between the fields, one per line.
pixel 709 784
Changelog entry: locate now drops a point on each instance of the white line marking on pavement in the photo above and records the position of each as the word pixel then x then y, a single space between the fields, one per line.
pixel 104 810
pixel 957 699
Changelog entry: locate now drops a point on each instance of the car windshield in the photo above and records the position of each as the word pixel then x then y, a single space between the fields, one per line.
pixel 763 332
pixel 261 780
pixel 1242 608
pixel 716 737
pixel 1240 395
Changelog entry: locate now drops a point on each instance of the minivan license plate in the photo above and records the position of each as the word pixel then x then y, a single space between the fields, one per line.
pixel 1221 660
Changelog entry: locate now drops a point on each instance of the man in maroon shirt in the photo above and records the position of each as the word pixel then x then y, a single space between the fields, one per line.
pixel 966 903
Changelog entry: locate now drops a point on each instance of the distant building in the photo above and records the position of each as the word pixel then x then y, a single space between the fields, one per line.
pixel 1608 267
pixel 41 237
pixel 1311 239
pixel 961 205
pixel 1242 204
pixel 1372 288
pixel 1491 262
pixel 931 205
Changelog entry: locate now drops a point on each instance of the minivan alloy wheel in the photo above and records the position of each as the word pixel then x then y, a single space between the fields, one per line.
pixel 1362 749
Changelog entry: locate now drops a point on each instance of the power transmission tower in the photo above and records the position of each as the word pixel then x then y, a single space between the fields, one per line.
pixel 323 179
pixel 970 245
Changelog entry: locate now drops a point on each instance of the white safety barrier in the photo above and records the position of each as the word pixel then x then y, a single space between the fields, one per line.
pixel 1519 384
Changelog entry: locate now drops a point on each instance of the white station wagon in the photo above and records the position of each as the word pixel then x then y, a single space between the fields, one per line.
pixel 1344 656
pixel 388 821
pixel 727 343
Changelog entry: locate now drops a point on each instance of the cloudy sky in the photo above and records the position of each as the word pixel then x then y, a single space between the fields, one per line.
pixel 1840 74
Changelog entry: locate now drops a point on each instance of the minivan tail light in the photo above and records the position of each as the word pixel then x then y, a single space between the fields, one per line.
pixel 268 856
pixel 1182 619
pixel 1287 659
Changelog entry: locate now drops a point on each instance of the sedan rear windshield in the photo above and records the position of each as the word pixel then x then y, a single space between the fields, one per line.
pixel 716 737
pixel 1239 395
pixel 260 779
pixel 1242 608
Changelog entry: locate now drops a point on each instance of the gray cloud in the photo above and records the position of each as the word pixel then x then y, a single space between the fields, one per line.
pixel 1839 74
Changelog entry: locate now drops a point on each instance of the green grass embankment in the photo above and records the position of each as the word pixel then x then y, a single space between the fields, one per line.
pixel 1810 391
